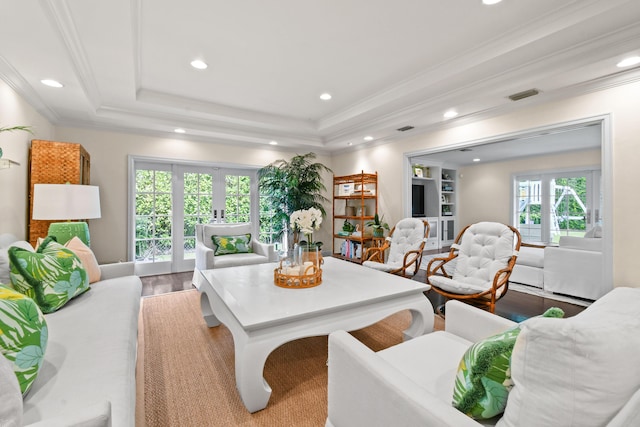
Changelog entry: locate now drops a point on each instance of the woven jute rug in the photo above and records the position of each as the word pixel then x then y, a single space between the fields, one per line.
pixel 188 369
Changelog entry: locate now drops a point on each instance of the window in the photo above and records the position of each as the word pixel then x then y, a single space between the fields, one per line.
pixel 170 199
pixel 555 204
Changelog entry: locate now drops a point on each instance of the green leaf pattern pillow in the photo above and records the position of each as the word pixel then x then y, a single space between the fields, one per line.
pixel 483 380
pixel 23 335
pixel 52 275
pixel 225 245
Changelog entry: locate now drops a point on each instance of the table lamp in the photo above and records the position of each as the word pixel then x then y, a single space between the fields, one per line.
pixel 66 202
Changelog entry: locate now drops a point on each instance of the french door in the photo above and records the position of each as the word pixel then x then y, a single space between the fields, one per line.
pixel 555 204
pixel 170 199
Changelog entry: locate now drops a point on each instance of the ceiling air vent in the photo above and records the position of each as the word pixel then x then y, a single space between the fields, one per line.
pixel 525 94
pixel 405 128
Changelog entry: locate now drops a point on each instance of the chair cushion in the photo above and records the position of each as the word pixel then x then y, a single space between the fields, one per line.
pixel 388 266
pixel 485 248
pixel 238 244
pixel 577 371
pixel 468 287
pixel 209 230
pixel 483 381
pixel 408 235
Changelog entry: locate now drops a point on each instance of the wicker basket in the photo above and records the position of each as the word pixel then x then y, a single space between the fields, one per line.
pixel 311 277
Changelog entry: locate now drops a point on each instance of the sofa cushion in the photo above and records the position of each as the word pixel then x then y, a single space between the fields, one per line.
pixel 533 257
pixel 431 361
pixel 23 335
pixel 88 259
pixel 235 260
pixel 210 230
pixel 52 275
pixel 11 407
pixel 483 381
pixel 577 371
pixel 6 241
pixel 91 357
pixel 238 244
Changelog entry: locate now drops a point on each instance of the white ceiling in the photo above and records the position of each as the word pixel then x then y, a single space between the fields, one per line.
pixel 125 63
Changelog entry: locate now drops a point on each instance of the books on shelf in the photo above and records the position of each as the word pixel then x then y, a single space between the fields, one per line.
pixel 351 249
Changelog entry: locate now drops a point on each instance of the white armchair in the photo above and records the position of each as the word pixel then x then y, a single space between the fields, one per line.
pixel 205 250
pixel 574 267
pixel 575 371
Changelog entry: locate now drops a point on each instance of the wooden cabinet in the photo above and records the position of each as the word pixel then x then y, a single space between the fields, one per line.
pixel 52 162
pixel 355 200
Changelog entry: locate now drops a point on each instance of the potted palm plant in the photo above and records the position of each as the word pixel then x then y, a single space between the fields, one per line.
pixel 378 225
pixel 292 186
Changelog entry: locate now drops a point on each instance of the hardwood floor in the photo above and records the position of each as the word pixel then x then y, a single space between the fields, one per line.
pixel 516 306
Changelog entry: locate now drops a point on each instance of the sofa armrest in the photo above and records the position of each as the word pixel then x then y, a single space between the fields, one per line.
pixel 204 256
pixel 265 249
pixel 593 244
pixel 117 269
pixel 471 323
pixel 98 415
pixel 365 390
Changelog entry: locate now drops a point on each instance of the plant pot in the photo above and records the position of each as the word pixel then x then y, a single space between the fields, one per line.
pixel 378 232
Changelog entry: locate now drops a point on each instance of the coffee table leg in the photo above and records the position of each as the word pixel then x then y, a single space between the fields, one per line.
pixel 253 388
pixel 207 312
pixel 421 320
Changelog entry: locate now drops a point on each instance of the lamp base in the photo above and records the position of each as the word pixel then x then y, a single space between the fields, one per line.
pixel 65 231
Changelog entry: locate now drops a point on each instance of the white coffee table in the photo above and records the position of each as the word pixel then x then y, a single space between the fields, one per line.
pixel 262 316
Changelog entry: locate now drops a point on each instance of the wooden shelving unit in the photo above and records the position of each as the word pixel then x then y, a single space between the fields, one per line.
pixel 355 199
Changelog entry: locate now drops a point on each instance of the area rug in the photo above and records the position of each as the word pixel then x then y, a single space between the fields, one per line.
pixel 189 375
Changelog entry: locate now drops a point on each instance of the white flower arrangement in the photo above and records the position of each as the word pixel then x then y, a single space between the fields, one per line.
pixel 306 221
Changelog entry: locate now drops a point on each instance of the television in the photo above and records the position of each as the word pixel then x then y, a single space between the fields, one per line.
pixel 417 200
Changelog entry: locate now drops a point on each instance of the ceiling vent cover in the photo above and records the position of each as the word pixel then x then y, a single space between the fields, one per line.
pixel 525 94
pixel 405 128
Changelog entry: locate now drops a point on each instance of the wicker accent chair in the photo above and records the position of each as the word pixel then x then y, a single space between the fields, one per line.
pixel 478 266
pixel 405 244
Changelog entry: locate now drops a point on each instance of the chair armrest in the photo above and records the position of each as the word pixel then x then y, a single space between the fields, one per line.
pixel 265 249
pixel 375 253
pixel 365 390
pixel 471 323
pixel 117 269
pixel 204 256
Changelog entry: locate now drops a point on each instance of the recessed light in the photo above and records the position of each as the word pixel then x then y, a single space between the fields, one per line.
pixel 273 142
pixel 476 160
pixel 325 96
pixel 490 2
pixel 179 130
pixel 199 64
pixel 628 62
pixel 450 114
pixel 368 138
pixel 51 83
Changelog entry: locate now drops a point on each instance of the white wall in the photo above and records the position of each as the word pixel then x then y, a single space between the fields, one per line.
pixel 109 153
pixel 14 111
pixel 484 187
pixel 623 103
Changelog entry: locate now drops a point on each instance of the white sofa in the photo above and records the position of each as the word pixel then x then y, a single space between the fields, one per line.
pixel 566 372
pixel 529 268
pixel 574 267
pixel 205 251
pixel 88 376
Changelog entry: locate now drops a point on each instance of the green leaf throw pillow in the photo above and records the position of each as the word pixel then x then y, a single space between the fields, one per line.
pixel 483 380
pixel 23 335
pixel 225 245
pixel 52 275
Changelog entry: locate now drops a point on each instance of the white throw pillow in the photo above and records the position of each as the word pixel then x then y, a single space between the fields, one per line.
pixel 578 371
pixel 10 396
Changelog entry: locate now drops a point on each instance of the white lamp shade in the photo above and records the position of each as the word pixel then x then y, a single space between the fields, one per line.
pixel 65 201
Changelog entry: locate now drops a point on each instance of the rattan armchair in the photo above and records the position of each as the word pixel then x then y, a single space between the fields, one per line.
pixel 478 266
pixel 405 245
